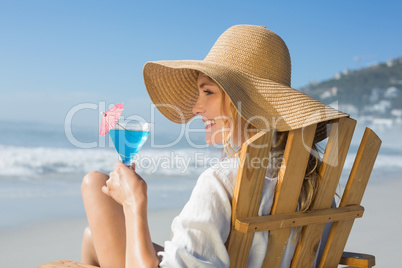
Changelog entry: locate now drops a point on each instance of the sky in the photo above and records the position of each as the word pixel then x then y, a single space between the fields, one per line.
pixel 64 61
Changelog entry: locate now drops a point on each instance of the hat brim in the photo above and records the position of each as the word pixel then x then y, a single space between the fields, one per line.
pixel 172 87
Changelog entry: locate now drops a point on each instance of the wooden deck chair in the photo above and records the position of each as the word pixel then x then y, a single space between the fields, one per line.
pixel 248 190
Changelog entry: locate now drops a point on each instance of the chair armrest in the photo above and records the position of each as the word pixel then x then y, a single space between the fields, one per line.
pixel 295 219
pixel 66 264
pixel 357 260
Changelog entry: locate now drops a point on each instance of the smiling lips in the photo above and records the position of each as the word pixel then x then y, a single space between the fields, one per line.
pixel 208 123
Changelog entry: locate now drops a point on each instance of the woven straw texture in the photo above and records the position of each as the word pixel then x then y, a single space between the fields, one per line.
pixel 252 65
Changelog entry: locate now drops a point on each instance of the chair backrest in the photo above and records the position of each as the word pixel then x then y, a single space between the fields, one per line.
pixel 248 190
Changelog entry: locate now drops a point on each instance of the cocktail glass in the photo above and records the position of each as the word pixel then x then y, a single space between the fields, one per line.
pixel 128 137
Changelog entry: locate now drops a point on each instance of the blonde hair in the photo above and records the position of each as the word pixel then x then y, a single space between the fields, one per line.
pixel 235 118
pixel 309 186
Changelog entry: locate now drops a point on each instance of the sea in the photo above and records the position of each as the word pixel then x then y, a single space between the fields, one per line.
pixel 42 166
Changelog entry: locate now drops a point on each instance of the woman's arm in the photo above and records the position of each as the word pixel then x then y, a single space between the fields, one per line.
pixel 130 190
pixel 139 248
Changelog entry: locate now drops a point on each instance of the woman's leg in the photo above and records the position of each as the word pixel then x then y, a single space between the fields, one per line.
pixel 88 253
pixel 105 243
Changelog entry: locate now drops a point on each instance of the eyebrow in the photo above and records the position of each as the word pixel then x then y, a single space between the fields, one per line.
pixel 203 84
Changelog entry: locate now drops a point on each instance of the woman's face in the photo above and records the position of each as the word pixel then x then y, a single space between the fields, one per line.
pixel 209 106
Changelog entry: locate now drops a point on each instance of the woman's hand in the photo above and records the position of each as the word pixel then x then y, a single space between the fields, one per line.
pixel 126 187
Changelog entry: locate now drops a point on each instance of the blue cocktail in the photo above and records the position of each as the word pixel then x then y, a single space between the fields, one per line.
pixel 128 137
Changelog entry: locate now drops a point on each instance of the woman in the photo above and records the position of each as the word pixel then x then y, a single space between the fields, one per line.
pixel 243 85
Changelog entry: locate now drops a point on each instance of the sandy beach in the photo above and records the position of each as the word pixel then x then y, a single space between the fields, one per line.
pixel 30 246
pixel 378 233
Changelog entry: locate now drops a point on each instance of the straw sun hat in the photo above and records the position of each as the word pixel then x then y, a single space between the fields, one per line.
pixel 252 65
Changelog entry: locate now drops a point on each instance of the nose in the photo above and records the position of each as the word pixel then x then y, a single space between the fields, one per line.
pixel 198 107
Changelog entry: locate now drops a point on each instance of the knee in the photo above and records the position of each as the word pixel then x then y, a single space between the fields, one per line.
pixel 87 236
pixel 93 181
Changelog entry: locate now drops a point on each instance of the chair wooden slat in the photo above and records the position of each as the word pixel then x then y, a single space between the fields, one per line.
pixel 247 194
pixel 353 194
pixel 330 172
pixel 295 219
pixel 290 181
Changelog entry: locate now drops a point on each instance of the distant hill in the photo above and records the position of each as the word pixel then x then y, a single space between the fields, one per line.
pixel 375 91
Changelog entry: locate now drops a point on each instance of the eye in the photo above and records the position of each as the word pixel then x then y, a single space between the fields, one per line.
pixel 208 92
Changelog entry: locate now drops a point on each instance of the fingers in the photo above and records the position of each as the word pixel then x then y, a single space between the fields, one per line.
pixel 111 182
pixel 105 190
pixel 122 176
pixel 120 165
pixel 132 166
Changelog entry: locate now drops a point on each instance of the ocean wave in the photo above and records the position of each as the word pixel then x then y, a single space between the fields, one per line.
pixel 28 161
pixel 35 161
pixel 32 162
